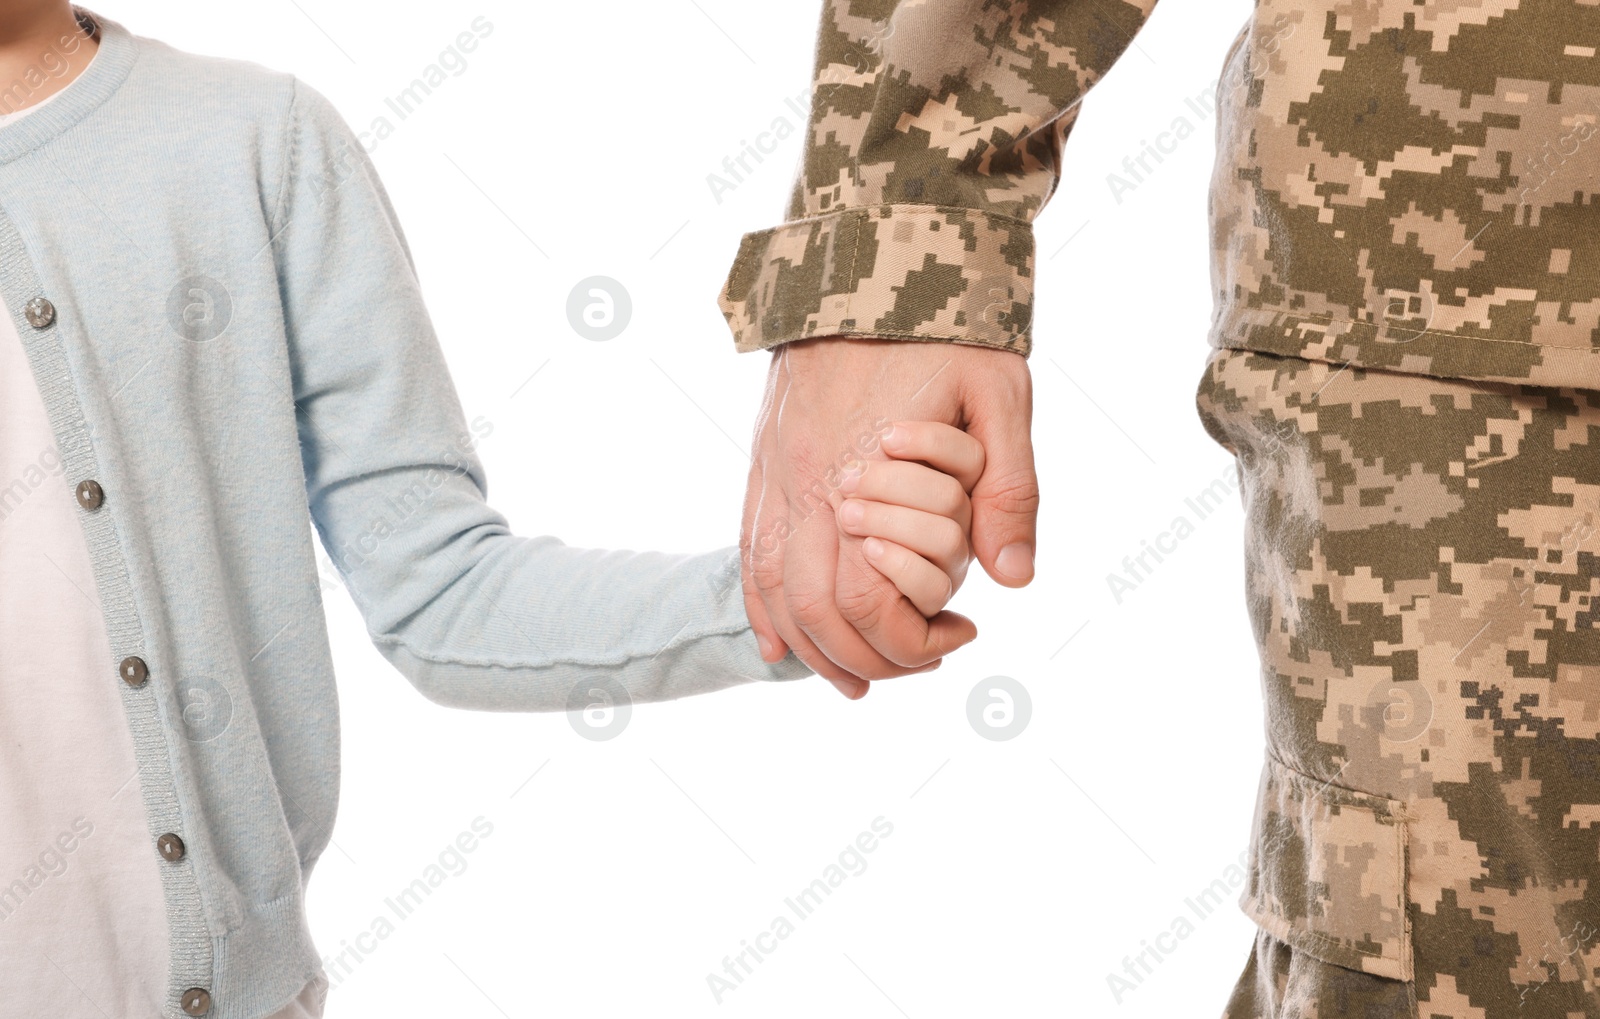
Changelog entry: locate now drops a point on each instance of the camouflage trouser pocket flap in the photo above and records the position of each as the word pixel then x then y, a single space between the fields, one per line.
pixel 1328 873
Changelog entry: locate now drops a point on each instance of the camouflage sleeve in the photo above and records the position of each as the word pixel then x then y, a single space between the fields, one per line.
pixel 935 138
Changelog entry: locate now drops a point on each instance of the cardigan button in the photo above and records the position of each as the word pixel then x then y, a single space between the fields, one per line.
pixel 171 847
pixel 195 1001
pixel 40 313
pixel 90 494
pixel 134 671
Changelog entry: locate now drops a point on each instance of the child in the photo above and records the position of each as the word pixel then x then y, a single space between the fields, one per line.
pixel 213 319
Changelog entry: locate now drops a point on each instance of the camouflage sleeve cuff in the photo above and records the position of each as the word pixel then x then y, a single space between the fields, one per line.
pixel 910 272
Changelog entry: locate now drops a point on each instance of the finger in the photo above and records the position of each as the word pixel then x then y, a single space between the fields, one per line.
pixel 793 634
pixel 773 649
pixel 1005 501
pixel 854 689
pixel 767 607
pixel 934 537
pixel 927 586
pixel 810 570
pixel 951 630
pixel 941 446
pixel 912 485
pixel 887 619
pixel 770 582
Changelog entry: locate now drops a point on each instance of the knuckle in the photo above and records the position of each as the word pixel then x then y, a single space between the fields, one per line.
pixel 951 541
pixel 952 497
pixel 958 576
pixel 862 604
pixel 810 609
pixel 801 456
pixel 1012 493
pixel 911 651
pixel 975 450
pixel 822 665
pixel 897 557
pixel 765 568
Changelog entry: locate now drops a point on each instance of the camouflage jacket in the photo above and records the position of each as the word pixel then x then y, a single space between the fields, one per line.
pixel 1397 185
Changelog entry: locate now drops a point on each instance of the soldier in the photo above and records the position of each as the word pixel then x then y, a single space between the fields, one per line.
pixel 1407 367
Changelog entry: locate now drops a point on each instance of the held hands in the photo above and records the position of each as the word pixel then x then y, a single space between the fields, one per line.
pixel 849 562
pixel 913 513
pixel 913 516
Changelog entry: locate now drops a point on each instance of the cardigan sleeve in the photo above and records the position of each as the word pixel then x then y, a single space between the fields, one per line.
pixel 473 615
pixel 935 138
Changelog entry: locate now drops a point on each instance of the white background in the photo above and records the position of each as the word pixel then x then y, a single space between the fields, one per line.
pixel 1019 874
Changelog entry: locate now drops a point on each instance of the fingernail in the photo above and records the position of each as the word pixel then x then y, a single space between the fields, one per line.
pixel 873 548
pixel 894 436
pixel 851 513
pixel 850 482
pixel 1015 561
pixel 766 645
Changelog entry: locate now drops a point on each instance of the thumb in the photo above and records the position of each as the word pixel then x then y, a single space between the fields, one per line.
pixel 1005 502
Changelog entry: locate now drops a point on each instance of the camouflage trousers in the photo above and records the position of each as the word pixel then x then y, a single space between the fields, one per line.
pixel 1423 583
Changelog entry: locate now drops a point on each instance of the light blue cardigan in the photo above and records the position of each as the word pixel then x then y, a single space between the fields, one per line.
pixel 160 182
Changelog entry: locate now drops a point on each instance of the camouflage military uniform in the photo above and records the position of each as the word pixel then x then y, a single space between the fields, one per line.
pixel 1407 275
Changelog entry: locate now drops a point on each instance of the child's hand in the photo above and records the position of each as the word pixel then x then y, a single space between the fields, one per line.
pixel 915 516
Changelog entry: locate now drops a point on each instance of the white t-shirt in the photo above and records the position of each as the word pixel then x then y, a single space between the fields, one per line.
pixel 83 928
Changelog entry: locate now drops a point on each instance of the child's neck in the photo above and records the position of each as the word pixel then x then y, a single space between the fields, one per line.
pixel 42 49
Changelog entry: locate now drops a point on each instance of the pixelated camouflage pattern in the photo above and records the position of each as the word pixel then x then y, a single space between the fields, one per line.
pixel 1340 892
pixel 1398 184
pixel 1279 981
pixel 1413 186
pixel 935 137
pixel 1423 582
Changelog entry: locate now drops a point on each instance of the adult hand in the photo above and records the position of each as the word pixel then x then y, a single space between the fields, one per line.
pixel 807 585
